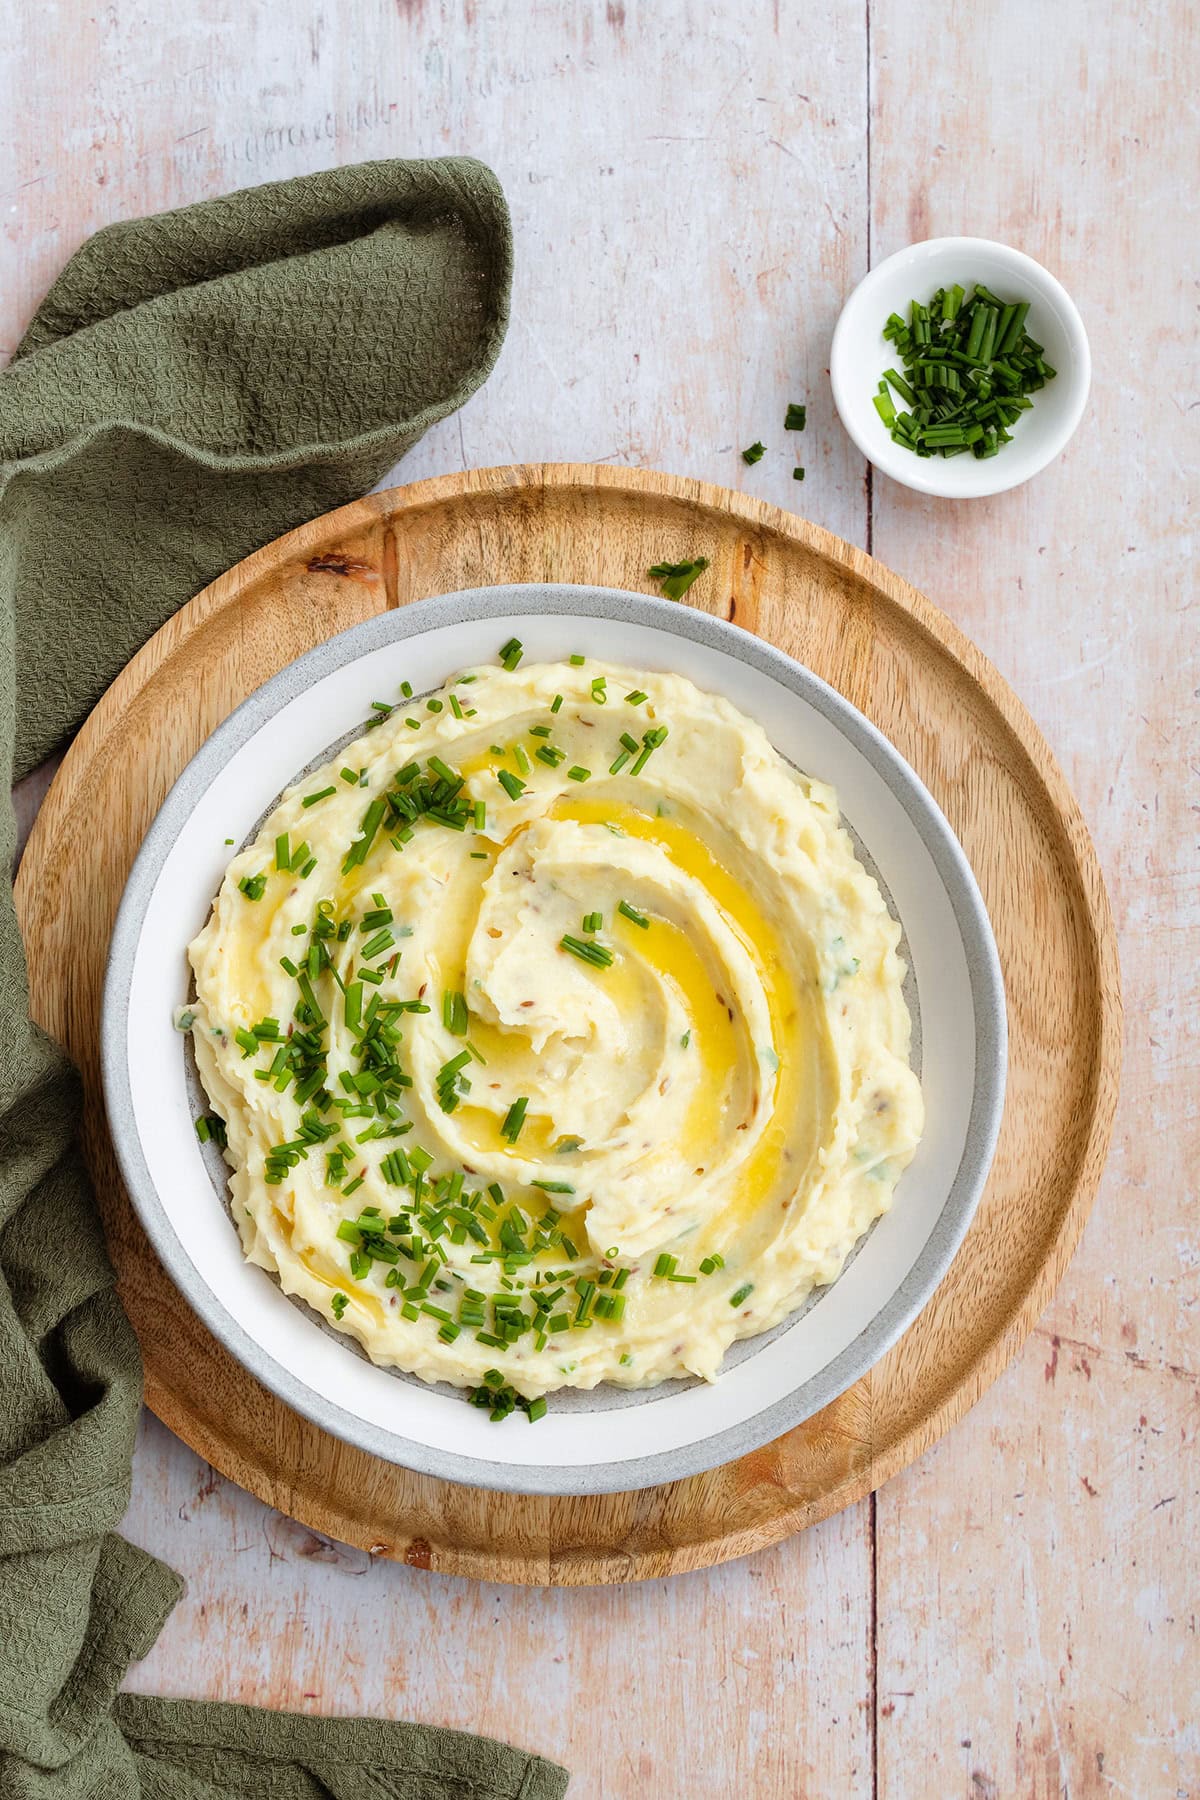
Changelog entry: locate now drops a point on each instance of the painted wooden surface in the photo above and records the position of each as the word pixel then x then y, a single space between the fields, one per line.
pixel 694 189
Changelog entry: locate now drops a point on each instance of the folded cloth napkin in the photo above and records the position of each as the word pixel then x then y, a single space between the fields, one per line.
pixel 192 386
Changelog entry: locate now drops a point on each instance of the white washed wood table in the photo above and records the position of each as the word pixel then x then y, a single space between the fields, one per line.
pixel 695 187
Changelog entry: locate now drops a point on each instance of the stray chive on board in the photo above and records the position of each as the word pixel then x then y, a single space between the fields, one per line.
pixel 969 369
pixel 677 577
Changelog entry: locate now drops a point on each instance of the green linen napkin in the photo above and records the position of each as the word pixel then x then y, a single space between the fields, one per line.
pixel 192 386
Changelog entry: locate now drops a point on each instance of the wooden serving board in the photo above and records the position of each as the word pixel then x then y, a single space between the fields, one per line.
pixel 938 700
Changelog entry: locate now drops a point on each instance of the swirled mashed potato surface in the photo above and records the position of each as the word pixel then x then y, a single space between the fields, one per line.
pixel 552 1042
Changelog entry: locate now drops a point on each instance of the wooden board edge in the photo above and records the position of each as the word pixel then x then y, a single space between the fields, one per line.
pixel 376 512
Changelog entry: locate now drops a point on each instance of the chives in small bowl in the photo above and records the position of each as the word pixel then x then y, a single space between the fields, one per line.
pixel 969 369
pixel 960 344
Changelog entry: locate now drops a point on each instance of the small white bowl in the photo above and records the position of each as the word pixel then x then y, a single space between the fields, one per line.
pixel 860 354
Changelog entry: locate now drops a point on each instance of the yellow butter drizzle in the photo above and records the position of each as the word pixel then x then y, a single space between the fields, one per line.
pixel 798 1035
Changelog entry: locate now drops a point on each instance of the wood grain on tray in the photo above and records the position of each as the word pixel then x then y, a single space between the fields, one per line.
pixel 948 713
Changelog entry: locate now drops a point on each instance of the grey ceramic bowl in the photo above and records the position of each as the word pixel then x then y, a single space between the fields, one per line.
pixel 608 1439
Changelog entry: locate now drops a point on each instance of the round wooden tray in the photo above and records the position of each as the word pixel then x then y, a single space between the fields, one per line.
pixel 938 700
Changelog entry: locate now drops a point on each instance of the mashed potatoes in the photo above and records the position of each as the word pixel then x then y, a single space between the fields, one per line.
pixel 558 1031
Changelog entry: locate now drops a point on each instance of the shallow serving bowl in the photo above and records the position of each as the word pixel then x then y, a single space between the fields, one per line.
pixel 606 1440
pixel 860 353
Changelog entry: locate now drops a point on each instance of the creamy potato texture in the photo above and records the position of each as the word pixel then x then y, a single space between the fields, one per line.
pixel 558 1031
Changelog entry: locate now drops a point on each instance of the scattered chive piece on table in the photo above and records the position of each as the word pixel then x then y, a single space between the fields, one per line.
pixel 796 418
pixel 677 577
pixel 969 369
pixel 797 474
pixel 755 453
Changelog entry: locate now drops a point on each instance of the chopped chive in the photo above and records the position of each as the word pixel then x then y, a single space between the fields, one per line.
pixel 742 1293
pixel 521 758
pixel 795 418
pixel 633 915
pixel 253 886
pixel 338 1305
pixel 593 921
pixel 577 773
pixel 321 794
pixel 556 703
pixel 797 474
pixel 755 453
pixel 454 1014
pixel 283 854
pixel 597 954
pixel 600 690
pixel 636 697
pixel 577 661
pixel 513 786
pixel 514 1119
pixel 677 578
pixel 650 742
pixel 511 653
pixel 666 1265
pixel 969 369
